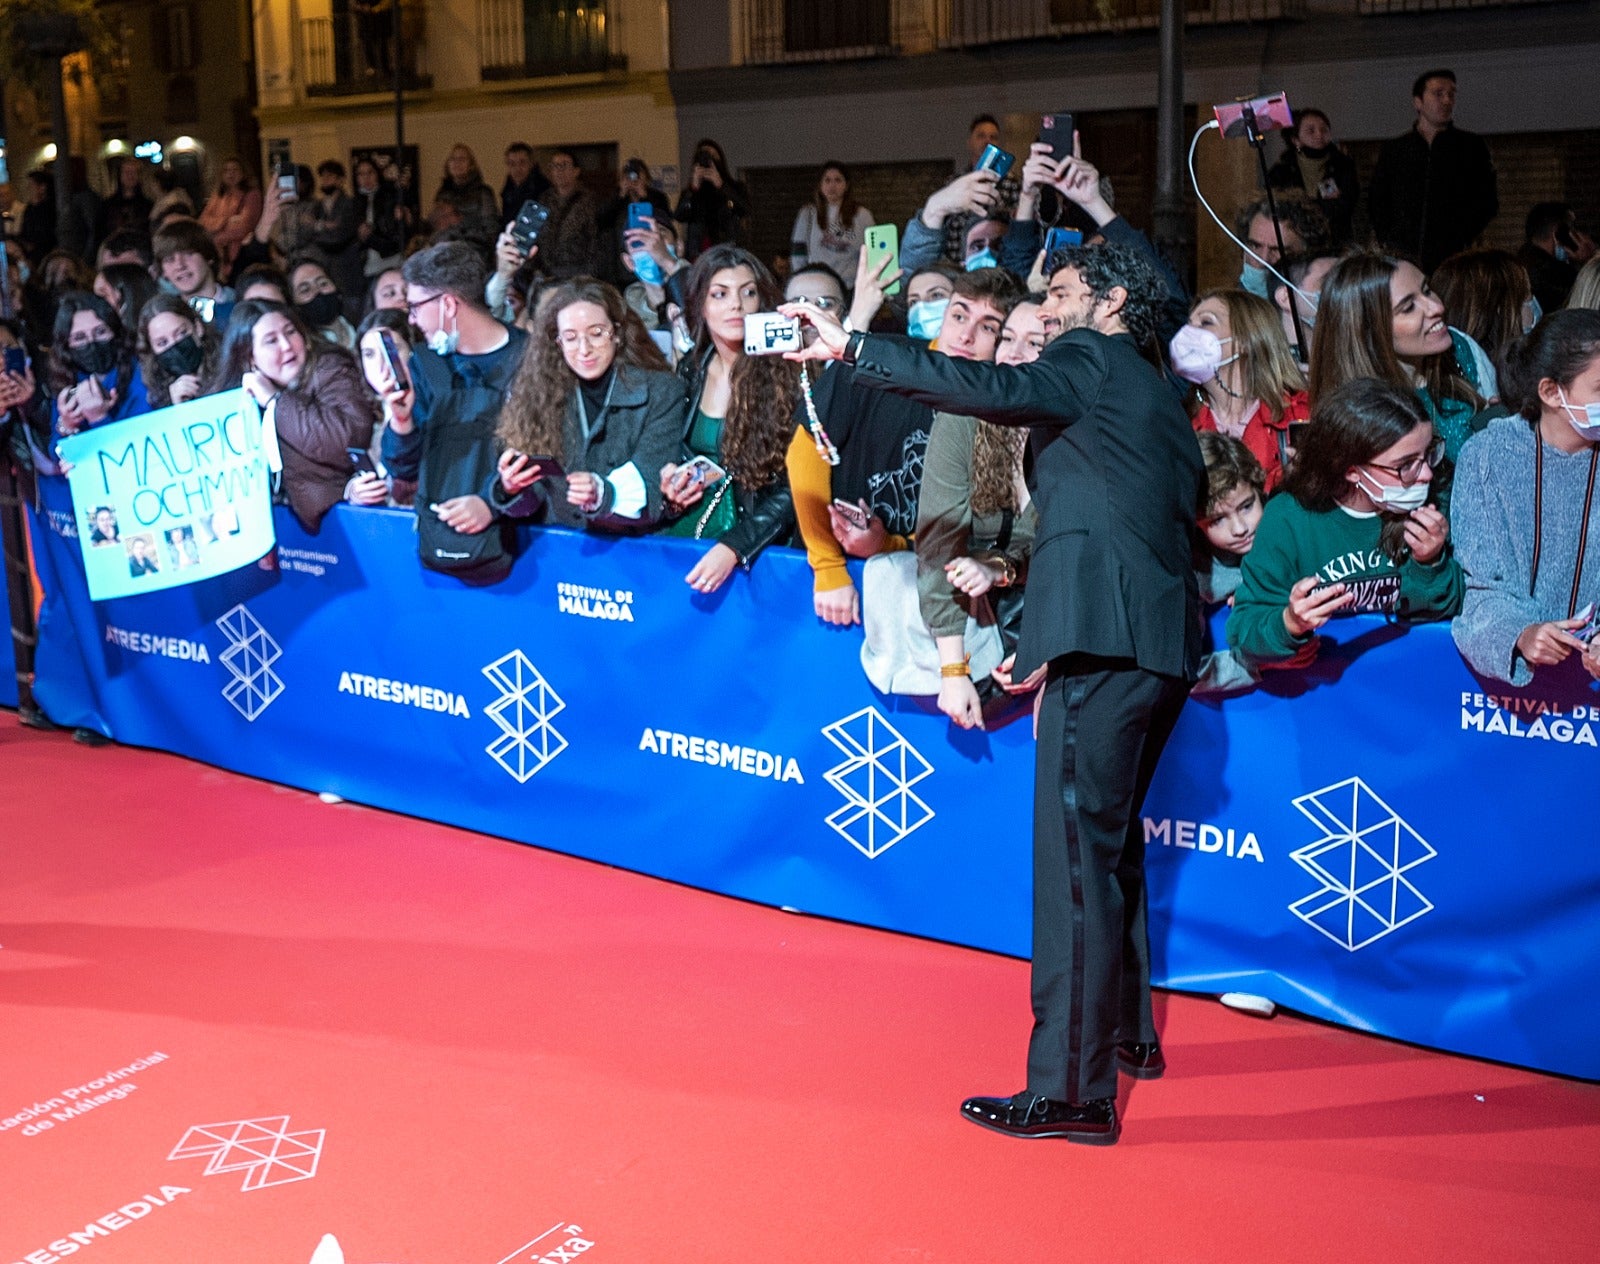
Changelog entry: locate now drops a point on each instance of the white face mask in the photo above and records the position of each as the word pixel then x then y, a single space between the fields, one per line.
pixel 1585 418
pixel 444 342
pixel 1395 499
pixel 1196 354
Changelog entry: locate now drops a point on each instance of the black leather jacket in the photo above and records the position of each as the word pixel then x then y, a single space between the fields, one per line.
pixel 765 516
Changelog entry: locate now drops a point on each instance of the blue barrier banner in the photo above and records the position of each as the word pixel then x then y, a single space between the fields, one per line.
pixel 1382 840
pixel 173 497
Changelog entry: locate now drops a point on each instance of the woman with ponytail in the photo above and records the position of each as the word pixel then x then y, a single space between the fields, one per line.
pixel 1525 512
pixel 1353 533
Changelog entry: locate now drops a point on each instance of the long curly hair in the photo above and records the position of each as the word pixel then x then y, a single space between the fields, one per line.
pixel 996 458
pixel 534 416
pixel 1350 425
pixel 764 389
pixel 1354 335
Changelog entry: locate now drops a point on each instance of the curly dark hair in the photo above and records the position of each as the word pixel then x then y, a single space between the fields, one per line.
pixel 764 389
pixel 1105 267
pixel 535 412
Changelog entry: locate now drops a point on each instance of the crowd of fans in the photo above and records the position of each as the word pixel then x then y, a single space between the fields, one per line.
pixel 1406 425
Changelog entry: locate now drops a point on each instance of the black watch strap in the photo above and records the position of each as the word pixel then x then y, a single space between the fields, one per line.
pixel 852 348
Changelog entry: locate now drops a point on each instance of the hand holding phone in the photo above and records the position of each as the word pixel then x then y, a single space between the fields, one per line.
pixel 1056 130
pixel 529 223
pixel 391 355
pixel 883 245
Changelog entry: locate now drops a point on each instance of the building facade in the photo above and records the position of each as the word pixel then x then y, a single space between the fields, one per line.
pixel 585 74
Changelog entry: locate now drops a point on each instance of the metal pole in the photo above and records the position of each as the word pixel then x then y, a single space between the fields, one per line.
pixel 18 586
pixel 1258 142
pixel 63 172
pixel 399 96
pixel 1172 234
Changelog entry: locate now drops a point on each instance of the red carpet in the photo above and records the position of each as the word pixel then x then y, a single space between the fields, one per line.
pixel 477 1043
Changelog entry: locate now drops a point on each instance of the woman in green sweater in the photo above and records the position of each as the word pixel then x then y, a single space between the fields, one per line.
pixel 1352 532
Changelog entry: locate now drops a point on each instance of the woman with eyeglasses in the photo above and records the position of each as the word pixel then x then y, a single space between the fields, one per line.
pixel 312 391
pixel 93 372
pixel 592 415
pixel 1377 317
pixel 1525 513
pixel 1352 531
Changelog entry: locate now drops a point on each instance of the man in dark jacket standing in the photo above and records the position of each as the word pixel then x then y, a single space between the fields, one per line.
pixel 1112 618
pixel 1433 191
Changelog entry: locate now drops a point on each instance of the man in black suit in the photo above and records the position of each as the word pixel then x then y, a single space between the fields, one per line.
pixel 1112 611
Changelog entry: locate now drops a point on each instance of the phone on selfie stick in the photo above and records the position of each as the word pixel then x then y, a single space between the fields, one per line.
pixel 1252 118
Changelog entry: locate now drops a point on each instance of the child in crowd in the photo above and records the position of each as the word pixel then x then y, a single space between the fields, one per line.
pixel 1236 492
pixel 1353 533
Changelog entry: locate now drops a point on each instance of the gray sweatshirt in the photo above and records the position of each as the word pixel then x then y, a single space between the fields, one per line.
pixel 1491 525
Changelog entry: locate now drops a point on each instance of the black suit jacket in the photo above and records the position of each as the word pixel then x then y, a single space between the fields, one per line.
pixel 1119 477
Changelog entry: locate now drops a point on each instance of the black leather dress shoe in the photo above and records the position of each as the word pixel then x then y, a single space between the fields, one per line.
pixel 1142 1060
pixel 1029 1115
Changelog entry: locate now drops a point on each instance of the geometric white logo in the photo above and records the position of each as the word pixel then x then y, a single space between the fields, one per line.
pixel 249 659
pixel 1362 860
pixel 876 777
pixel 527 704
pixel 264 1149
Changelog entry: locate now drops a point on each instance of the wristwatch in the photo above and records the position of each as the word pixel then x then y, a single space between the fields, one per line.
pixel 852 348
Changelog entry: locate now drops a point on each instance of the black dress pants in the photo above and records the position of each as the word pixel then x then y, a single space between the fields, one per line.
pixel 1102 725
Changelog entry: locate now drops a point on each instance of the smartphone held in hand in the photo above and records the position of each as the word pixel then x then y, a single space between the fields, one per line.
pixel 530 222
pixel 1056 130
pixel 770 333
pixel 883 242
pixel 996 160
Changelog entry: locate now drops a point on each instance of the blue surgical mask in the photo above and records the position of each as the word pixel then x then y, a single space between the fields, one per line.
pixel 985 258
pixel 1255 281
pixel 1532 314
pixel 924 319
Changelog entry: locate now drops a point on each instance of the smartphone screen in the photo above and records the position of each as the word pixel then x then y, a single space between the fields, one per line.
pixel 391 353
pixel 883 242
pixel 16 360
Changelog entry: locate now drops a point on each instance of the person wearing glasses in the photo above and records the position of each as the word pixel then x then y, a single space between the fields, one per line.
pixel 441 427
pixel 1352 532
pixel 595 396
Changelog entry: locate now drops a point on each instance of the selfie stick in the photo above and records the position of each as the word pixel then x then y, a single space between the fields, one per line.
pixel 1258 142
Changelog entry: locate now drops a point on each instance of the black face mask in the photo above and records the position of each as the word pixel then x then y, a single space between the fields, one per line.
pixel 182 357
pixel 1316 155
pixel 95 357
pixel 322 310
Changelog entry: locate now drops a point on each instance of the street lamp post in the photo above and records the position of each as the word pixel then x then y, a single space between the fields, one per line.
pixel 1172 236
pixel 51 37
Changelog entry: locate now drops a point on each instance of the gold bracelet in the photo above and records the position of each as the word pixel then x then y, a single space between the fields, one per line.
pixel 951 670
